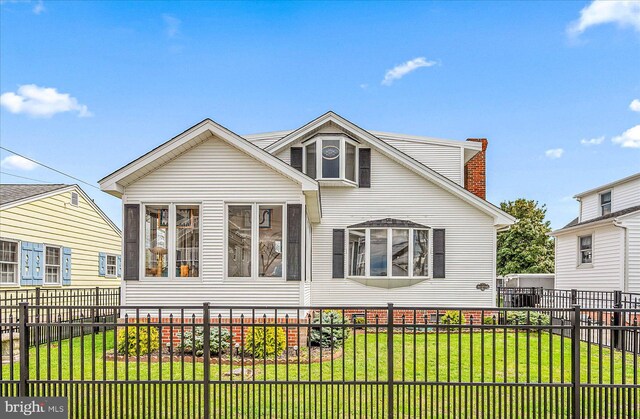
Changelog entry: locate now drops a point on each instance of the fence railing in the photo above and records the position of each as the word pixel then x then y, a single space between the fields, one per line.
pixel 565 298
pixel 66 305
pixel 210 361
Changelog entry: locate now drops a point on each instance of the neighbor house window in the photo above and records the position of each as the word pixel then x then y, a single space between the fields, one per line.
pixel 586 249
pixel 388 252
pixel 187 241
pixel 51 265
pixel 605 203
pixel 331 158
pixel 74 199
pixel 112 265
pixel 156 241
pixel 8 262
pixel 255 244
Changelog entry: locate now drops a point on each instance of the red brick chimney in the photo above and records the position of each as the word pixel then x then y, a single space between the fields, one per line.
pixel 475 180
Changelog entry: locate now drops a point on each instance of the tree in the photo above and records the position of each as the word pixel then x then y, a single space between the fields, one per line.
pixel 526 247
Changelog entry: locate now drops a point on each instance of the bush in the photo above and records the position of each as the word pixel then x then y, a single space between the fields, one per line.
pixel 138 340
pixel 262 342
pixel 327 336
pixel 193 343
pixel 489 320
pixel 535 318
pixel 359 320
pixel 452 317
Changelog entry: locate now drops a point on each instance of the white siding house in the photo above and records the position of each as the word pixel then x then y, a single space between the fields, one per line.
pixel 600 249
pixel 325 214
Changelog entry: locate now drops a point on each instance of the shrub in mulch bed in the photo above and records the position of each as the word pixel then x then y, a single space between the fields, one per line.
pixel 292 356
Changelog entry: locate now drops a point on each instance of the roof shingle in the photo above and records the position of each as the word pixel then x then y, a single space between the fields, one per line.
pixel 10 192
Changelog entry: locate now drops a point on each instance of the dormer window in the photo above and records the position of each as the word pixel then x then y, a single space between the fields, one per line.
pixel 331 158
pixel 605 203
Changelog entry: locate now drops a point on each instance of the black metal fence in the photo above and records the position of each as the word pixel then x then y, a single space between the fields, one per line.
pixel 65 305
pixel 565 298
pixel 209 361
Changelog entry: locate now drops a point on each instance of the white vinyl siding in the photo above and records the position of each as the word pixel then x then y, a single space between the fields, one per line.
pixel 214 173
pixel 632 225
pixel 446 160
pixel 470 235
pixel 623 196
pixel 606 269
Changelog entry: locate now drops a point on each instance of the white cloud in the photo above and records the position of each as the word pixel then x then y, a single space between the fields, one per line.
pixel 172 25
pixel 39 7
pixel 629 139
pixel 635 105
pixel 41 102
pixel 16 162
pixel 600 12
pixel 554 153
pixel 592 141
pixel 401 70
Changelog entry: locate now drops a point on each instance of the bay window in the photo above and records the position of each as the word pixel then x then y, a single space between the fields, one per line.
pixel 388 252
pixel 255 240
pixel 171 239
pixel 331 157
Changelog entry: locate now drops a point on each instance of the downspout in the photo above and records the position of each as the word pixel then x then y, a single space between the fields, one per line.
pixel 625 267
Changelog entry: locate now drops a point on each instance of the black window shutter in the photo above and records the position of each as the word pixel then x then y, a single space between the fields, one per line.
pixel 438 253
pixel 338 253
pixel 294 242
pixel 131 242
pixel 296 158
pixel 364 163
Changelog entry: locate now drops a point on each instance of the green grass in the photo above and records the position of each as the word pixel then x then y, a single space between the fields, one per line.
pixel 499 357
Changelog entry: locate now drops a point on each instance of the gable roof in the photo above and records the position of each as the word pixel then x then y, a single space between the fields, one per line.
pixel 12 195
pixel 610 216
pixel 501 218
pixel 11 192
pixel 115 182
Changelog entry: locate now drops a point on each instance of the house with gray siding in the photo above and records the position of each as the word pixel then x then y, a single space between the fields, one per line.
pixel 326 214
pixel 600 249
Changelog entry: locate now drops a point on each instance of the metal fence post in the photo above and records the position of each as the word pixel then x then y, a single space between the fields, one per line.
pixel 575 362
pixel 617 320
pixel 207 356
pixel 390 360
pixel 574 296
pixel 23 388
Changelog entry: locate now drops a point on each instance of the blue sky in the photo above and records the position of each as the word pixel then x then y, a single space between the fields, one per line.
pixel 531 77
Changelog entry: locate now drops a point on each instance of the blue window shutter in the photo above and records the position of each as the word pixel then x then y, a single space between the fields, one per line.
pixel 119 267
pixel 37 263
pixel 66 266
pixel 26 265
pixel 102 264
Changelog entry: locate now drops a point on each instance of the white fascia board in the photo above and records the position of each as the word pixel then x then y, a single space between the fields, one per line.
pixel 111 184
pixel 501 218
pixel 607 186
pixel 417 138
pixel 577 228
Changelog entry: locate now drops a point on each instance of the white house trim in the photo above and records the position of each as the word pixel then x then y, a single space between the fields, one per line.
pixel 501 218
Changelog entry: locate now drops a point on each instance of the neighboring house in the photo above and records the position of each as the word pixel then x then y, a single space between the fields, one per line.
pixel 55 236
pixel 546 281
pixel 327 214
pixel 600 249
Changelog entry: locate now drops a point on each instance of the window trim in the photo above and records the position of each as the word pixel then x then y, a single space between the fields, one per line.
pixel 106 265
pixel 601 205
pixel 171 246
pixel 585 264
pixel 255 237
pixel 389 276
pixel 45 264
pixel 18 269
pixel 343 154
